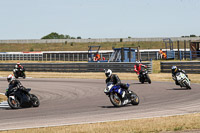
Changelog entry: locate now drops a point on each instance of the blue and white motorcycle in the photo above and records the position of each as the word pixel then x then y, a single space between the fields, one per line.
pixel 117 96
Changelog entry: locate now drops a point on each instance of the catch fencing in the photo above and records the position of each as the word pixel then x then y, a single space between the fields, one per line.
pixel 97 40
pixel 188 66
pixel 75 67
pixel 49 56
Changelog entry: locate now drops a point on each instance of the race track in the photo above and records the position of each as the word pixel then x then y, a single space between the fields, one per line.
pixel 74 101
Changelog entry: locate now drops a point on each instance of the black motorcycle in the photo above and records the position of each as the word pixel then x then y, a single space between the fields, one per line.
pixel 19 73
pixel 20 98
pixel 144 76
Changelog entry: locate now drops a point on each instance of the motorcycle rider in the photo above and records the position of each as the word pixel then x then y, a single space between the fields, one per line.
pixel 175 70
pixel 13 84
pixel 138 67
pixel 18 68
pixel 116 81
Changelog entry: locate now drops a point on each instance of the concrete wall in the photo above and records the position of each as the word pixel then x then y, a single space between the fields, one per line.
pixel 98 40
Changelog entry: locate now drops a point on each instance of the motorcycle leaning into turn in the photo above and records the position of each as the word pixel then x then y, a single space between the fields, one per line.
pixel 144 76
pixel 114 93
pixel 19 73
pixel 19 98
pixel 183 80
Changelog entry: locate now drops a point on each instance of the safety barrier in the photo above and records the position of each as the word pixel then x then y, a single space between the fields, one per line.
pixel 188 66
pixel 75 67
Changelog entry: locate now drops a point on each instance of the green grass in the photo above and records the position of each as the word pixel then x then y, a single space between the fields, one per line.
pixel 80 46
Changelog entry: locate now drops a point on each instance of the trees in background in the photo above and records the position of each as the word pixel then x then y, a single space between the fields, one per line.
pixel 54 35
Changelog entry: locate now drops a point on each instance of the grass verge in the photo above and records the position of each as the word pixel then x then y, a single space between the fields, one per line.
pixel 160 124
pixel 2 98
pixel 81 46
pixel 123 76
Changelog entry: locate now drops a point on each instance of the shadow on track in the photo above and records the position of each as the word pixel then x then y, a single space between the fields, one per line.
pixel 115 107
pixel 178 89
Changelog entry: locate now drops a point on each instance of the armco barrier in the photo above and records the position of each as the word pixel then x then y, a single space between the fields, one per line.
pixel 188 66
pixel 75 67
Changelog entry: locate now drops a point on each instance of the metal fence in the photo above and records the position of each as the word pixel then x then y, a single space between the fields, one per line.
pixel 145 56
pixel 44 41
pixel 188 66
pixel 33 57
pixel 50 56
pixel 75 67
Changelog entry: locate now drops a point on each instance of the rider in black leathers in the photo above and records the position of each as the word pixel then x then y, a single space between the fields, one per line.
pixel 17 69
pixel 13 84
pixel 115 80
pixel 175 70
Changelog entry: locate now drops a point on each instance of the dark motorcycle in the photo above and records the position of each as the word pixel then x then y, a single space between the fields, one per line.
pixel 19 98
pixel 114 92
pixel 144 76
pixel 19 73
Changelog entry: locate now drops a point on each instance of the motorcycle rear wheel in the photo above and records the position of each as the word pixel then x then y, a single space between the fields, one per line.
pixel 13 103
pixel 116 99
pixel 35 100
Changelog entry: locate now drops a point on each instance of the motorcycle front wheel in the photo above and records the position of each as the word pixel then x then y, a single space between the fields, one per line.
pixel 141 79
pixel 13 103
pixel 116 99
pixel 187 85
pixel 134 98
pixel 24 76
pixel 35 100
pixel 148 79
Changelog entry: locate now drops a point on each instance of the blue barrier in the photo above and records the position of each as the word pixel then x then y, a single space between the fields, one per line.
pixel 170 54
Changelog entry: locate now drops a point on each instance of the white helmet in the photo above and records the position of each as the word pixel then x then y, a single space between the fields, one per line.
pixel 108 73
pixel 10 78
pixel 137 63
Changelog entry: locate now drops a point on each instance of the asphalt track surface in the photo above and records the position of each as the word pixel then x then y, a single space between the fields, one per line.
pixel 76 101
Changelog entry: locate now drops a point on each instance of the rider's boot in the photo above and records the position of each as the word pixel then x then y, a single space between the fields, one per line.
pixel 126 96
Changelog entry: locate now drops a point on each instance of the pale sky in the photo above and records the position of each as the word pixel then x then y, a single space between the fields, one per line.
pixel 33 19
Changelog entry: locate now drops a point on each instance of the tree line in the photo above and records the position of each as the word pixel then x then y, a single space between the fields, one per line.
pixel 54 35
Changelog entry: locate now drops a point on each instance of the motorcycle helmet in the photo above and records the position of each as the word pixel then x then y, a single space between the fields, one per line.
pixel 108 73
pixel 18 63
pixel 10 78
pixel 137 63
pixel 174 69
